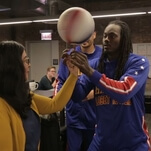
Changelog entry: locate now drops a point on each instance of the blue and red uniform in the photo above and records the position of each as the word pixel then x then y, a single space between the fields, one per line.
pixel 81 116
pixel 119 105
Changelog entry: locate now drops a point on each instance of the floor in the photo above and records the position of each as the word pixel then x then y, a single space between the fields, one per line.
pixel 148 121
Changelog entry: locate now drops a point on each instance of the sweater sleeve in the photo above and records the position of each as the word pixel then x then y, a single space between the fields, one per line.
pixel 50 105
pixel 63 74
pixel 6 142
pixel 130 83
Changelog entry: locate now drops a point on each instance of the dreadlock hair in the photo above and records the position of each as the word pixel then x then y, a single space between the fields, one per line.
pixel 125 49
pixel 13 86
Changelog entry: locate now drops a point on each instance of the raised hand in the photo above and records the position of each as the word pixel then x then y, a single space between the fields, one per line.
pixel 67 61
pixel 72 68
pixel 80 60
pixel 65 55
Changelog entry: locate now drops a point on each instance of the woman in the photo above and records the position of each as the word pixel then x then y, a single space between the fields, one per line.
pixel 19 109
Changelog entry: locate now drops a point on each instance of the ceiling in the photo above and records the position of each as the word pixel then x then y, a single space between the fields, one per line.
pixel 30 8
pixel 21 9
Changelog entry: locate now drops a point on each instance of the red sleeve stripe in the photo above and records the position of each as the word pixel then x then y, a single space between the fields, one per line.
pixel 123 87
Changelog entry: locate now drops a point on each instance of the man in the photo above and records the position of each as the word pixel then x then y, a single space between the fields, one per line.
pixel 49 80
pixel 119 87
pixel 80 117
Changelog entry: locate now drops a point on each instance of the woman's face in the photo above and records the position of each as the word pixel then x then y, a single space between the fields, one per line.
pixel 26 63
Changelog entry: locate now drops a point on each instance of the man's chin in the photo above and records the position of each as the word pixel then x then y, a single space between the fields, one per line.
pixel 85 45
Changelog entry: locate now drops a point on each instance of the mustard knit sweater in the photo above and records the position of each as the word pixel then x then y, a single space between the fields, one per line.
pixel 12 135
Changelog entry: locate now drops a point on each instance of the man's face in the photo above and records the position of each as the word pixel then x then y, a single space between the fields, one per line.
pixel 89 42
pixel 111 38
pixel 52 72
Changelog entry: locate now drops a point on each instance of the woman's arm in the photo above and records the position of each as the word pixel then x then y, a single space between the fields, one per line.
pixel 47 105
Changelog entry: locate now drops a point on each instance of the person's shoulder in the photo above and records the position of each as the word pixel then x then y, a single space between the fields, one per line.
pixel 2 102
pixel 136 57
pixel 44 77
pixel 94 62
pixel 4 106
pixel 98 47
pixel 77 48
pixel 139 60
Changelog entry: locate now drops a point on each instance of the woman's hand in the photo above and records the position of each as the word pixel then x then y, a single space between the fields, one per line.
pixel 72 68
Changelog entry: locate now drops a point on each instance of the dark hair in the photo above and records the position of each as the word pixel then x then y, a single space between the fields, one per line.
pixel 13 86
pixel 125 49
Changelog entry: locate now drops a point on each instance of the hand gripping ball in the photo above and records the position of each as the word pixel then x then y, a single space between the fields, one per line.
pixel 75 25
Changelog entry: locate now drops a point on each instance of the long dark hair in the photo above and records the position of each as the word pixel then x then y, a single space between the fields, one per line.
pixel 125 49
pixel 13 86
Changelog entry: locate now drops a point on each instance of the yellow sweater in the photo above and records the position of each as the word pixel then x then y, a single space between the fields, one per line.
pixel 12 135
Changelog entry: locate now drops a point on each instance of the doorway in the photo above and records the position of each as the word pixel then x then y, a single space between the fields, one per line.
pixel 42 54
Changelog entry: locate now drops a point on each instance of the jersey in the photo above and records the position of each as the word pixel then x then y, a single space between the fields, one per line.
pixel 80 115
pixel 119 105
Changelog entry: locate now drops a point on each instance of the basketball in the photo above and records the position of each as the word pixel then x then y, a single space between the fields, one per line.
pixel 75 25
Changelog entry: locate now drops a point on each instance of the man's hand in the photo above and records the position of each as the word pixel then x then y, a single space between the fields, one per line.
pixel 80 60
pixel 67 61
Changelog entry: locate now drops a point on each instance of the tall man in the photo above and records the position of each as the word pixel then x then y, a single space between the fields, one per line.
pixel 119 82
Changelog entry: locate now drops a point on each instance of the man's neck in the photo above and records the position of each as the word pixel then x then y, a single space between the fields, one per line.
pixel 112 56
pixel 88 50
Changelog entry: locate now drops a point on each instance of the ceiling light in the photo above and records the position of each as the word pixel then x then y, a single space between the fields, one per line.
pixel 98 14
pixel 4 9
pixel 95 16
pixel 46 20
pixel 15 22
pixel 117 15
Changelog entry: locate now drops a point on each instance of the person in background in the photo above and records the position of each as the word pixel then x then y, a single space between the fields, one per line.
pixel 20 108
pixel 80 117
pixel 49 80
pixel 118 78
pixel 50 130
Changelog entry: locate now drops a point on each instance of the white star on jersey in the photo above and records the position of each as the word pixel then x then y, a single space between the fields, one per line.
pixel 142 67
pixel 136 73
